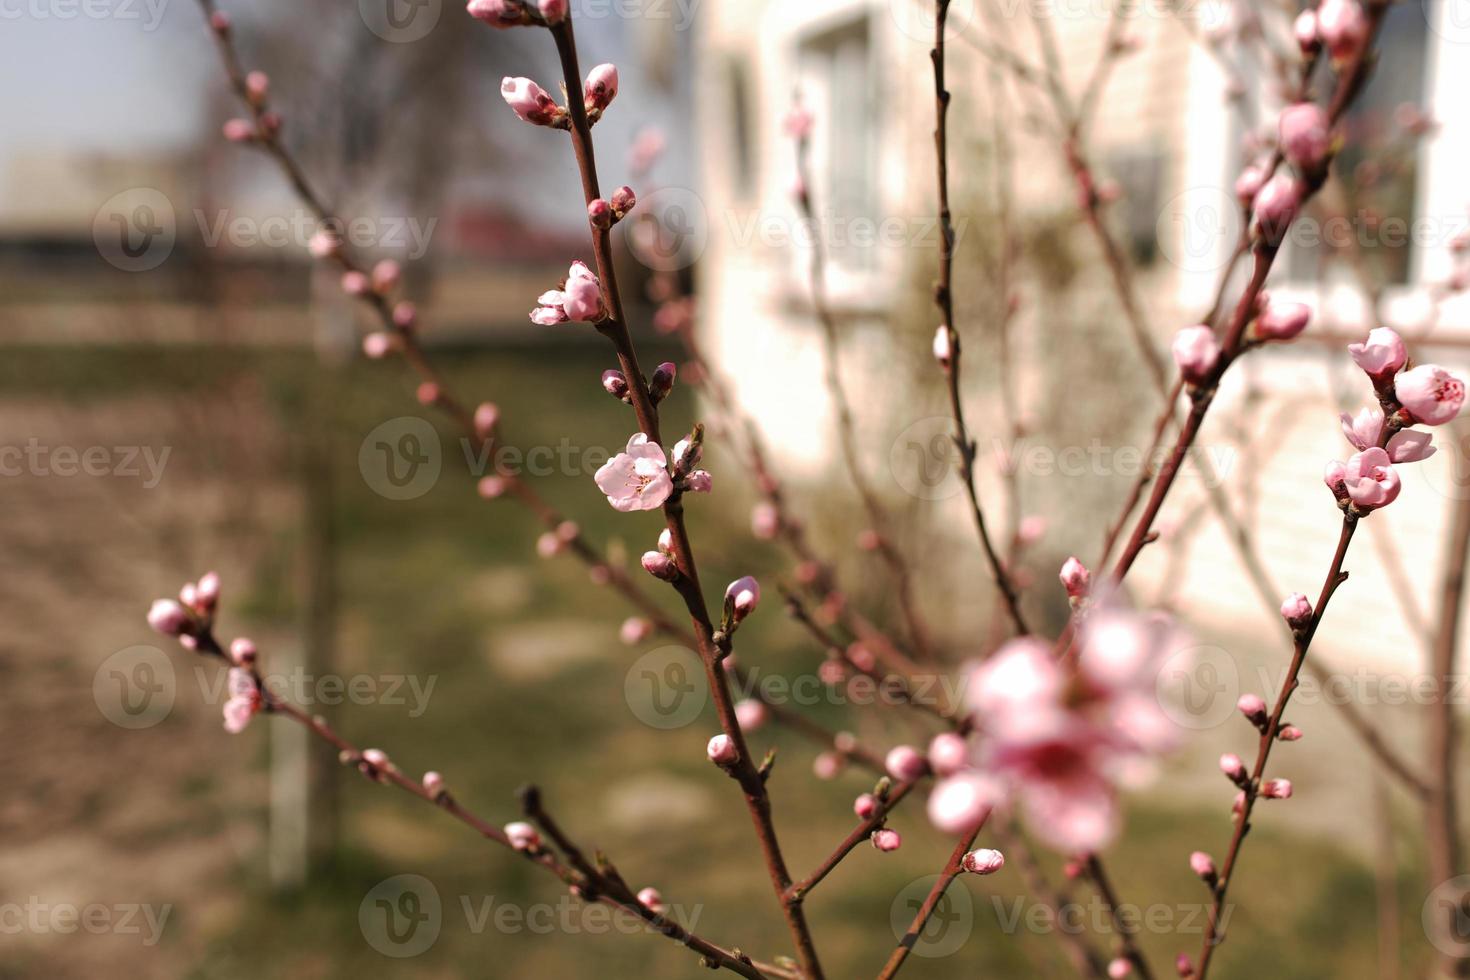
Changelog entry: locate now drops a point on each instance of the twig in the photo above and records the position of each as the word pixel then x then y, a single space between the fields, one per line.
pixel 951 871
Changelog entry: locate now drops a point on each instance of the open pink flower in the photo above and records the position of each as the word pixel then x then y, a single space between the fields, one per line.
pixel 1430 394
pixel 1370 479
pixel 1364 429
pixel 579 298
pixel 1381 354
pixel 637 479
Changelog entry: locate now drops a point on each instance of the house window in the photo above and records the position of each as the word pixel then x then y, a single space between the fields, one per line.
pixel 835 73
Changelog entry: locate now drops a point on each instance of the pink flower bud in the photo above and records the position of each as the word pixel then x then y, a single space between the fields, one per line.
pixel 699 481
pixel 376 759
pixel 1304 28
pixel 1253 707
pixel 379 344
pixel 869 540
pixel 325 244
pixel 219 22
pixel 865 806
pixel 948 753
pixel 582 299
pixel 828 765
pixel 242 651
pixel 1031 529
pixel 1248 184
pixel 555 11
pixel 1297 611
pixel 528 100
pixel 1305 136
pixel 742 596
pixel 355 283
pixel 1430 394
pixel 1196 351
pixel 601 88
pixel 549 545
pixel 1276 789
pixel 405 315
pixel 623 200
pixel 905 764
pixel 635 629
pixel 1381 355
pixel 649 898
pixel 660 566
pixel 1276 207
pixel 497 13
pixel 206 594
pixel 1232 767
pixel 1203 865
pixel 984 861
pixel 239 130
pixel 428 394
pixel 1289 733
pixel 386 275
pixel 1343 27
pixel 1076 579
pixel 960 802
pixel 1118 968
pixel 433 784
pixel 943 350
pixel 522 836
pixel 169 617
pixel 662 381
pixel 600 213
pixel 614 383
pixel 1283 321
pixel 257 87
pixel 487 416
pixel 722 751
pixel 886 840
pixel 666 541
pixel 491 487
pixel 751 714
pixel 765 521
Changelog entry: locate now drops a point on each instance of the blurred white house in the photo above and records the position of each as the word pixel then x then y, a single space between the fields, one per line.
pixel 1164 132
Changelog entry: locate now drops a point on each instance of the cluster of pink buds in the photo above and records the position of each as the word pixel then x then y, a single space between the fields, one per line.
pixel 191 612
pixel 1426 394
pixel 604 214
pixel 245 699
pixel 579 298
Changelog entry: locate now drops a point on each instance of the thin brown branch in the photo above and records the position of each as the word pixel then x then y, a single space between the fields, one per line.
pixel 952 870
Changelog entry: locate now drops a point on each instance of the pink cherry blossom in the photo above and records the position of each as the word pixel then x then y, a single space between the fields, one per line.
pixel 1370 479
pixel 1195 351
pixel 1364 429
pixel 580 298
pixel 961 801
pixel 1305 135
pixel 637 479
pixel 1430 394
pixel 1381 355
pixel 1343 27
pixel 948 753
pixel 244 700
pixel 529 100
pixel 699 481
